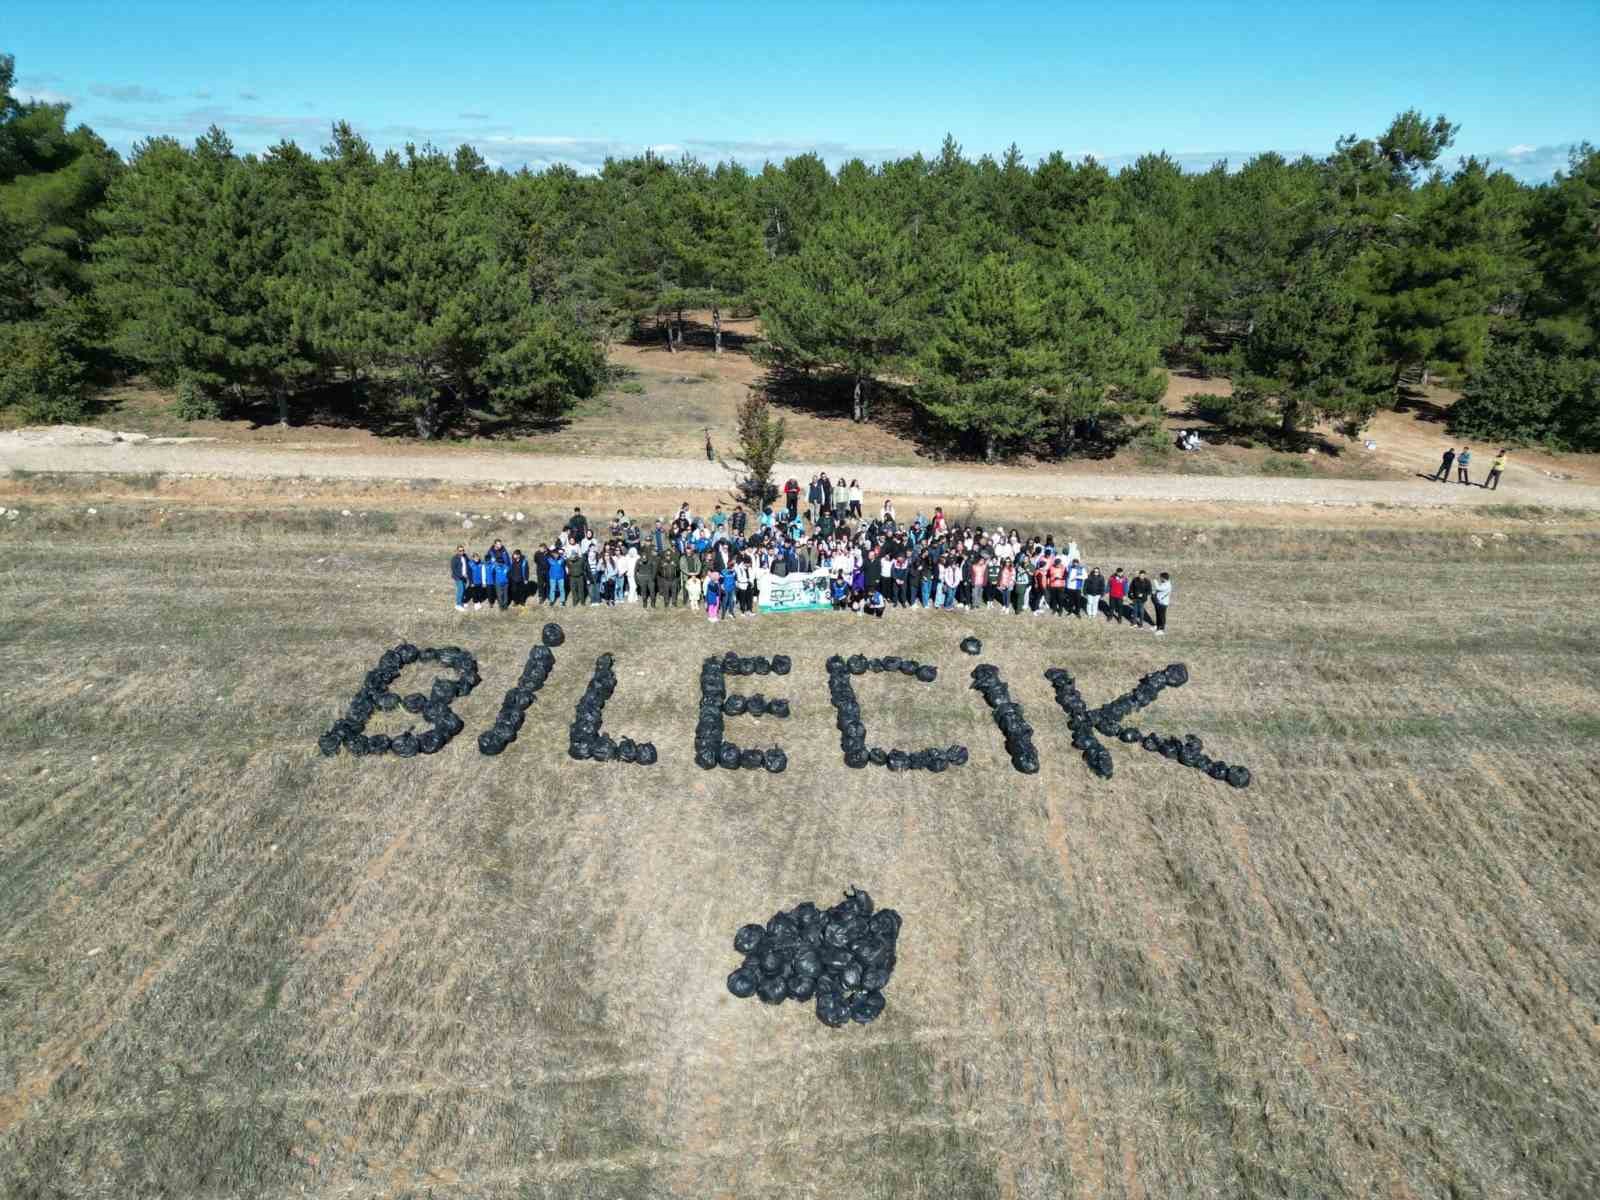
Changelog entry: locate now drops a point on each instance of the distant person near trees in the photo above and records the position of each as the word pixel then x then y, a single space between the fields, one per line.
pixel 1463 461
pixel 1499 464
pixel 1445 463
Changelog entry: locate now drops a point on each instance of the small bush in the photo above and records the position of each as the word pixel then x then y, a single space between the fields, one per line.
pixel 193 401
pixel 1285 465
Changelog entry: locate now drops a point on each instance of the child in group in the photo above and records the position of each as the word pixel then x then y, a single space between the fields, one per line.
pixel 477 585
pixel 875 604
pixel 713 594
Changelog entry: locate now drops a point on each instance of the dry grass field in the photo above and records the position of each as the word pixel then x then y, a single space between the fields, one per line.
pixel 230 967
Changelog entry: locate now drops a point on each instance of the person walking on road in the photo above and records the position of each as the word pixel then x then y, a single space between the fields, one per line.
pixel 1442 475
pixel 1492 483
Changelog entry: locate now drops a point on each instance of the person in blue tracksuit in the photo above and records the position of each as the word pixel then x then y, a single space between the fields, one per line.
pixel 497 573
pixel 460 576
pixel 558 575
pixel 475 585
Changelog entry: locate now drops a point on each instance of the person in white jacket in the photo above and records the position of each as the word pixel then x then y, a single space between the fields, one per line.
pixel 1161 596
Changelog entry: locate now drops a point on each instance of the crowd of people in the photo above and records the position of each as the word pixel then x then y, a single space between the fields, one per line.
pixel 714 562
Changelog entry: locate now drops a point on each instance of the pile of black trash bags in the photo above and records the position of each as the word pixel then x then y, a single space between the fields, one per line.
pixel 512 709
pixel 588 739
pixel 841 957
pixel 1008 715
pixel 711 748
pixel 376 695
pixel 1109 720
pixel 853 731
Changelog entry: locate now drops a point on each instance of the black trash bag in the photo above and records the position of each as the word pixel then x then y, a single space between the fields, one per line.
pixel 443 690
pixel 756 705
pixel 728 756
pixel 971 645
pixel 552 635
pixel 387 701
pixel 748 938
pixel 379 743
pixel 938 764
pixel 1151 741
pixel 404 746
pixel 646 755
pixel 747 666
pixel 1026 760
pixel 909 666
pixel 833 1009
pixel 1238 776
pixel 1176 675
pixel 490 742
pixel 356 743
pixel 855 759
pixel 858 664
pixel 361 710
pixel 835 664
pixel 885 923
pixel 772 990
pixel 579 748
pixel 835 958
pixel 734 705
pixel 778 708
pixel 878 756
pixel 751 759
pixel 329 744
pixel 867 1007
pixel 742 983
pixel 875 979
pixel 705 758
pixel 775 760
pixel 407 653
pixel 781 665
pixel 450 724
pixel 859 902
pixel 897 760
pixel 430 741
pixel 850 975
pixel 807 961
pixel 627 750
pixel 603 750
pixel 957 755
pixel 1128 735
pixel 800 987
pixel 763 665
pixel 927 673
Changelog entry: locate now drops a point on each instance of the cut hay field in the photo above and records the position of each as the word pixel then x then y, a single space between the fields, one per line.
pixel 230 967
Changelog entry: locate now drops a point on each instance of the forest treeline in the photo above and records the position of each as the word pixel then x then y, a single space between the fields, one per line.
pixel 1010 304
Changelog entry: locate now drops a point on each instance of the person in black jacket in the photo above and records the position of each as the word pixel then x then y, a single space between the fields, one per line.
pixel 458 576
pixel 541 574
pixel 1138 593
pixel 519 579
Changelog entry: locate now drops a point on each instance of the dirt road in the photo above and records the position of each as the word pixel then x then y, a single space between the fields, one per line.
pixel 1522 484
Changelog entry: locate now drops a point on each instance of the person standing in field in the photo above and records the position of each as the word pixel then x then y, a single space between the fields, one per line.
pixel 1094 587
pixel 692 568
pixel 1138 592
pixel 1492 483
pixel 855 498
pixel 1116 594
pixel 1463 461
pixel 1161 594
pixel 460 576
pixel 475 582
pixel 556 568
pixel 1443 473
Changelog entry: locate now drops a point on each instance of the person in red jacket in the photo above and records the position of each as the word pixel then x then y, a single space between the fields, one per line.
pixel 1116 596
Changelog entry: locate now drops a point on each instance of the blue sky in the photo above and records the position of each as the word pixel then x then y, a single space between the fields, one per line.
pixel 539 83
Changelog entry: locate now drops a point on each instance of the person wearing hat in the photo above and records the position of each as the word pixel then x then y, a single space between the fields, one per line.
pixel 667 584
pixel 642 575
pixel 1499 464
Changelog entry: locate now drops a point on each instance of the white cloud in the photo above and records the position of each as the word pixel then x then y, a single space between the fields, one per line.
pixel 40 95
pixel 128 93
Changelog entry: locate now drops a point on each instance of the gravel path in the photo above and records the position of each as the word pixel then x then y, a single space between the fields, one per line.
pixel 26 451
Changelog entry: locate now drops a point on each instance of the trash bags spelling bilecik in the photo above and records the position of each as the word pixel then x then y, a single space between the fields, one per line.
pixel 1110 720
pixel 840 957
pixel 376 695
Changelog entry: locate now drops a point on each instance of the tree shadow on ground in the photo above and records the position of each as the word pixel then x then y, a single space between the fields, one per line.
pixel 696 335
pixel 375 407
pixel 827 396
pixel 1423 409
